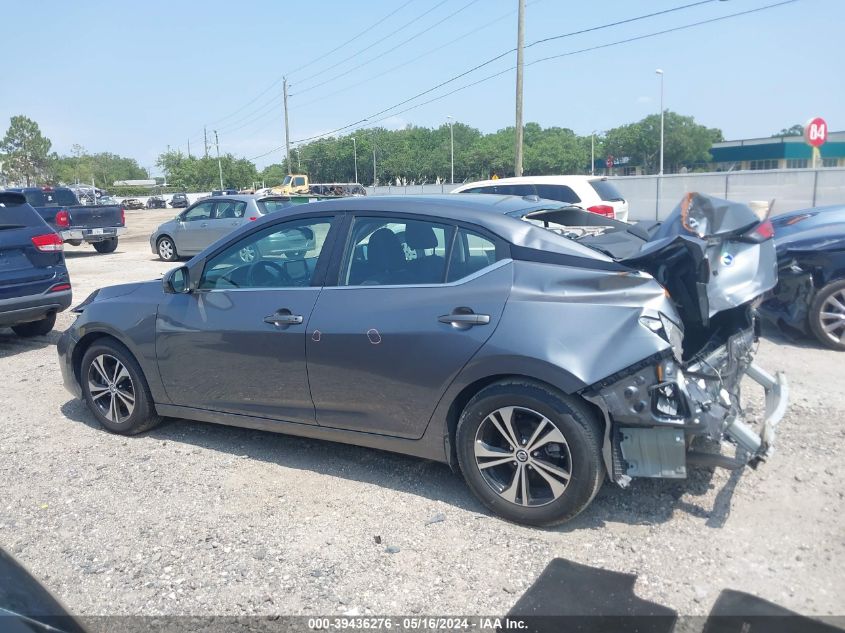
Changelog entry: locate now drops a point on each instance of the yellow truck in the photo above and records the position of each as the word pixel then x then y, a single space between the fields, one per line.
pixel 298 184
pixel 292 184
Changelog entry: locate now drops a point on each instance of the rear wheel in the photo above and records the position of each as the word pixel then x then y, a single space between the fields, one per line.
pixel 115 390
pixel 106 246
pixel 36 328
pixel 827 315
pixel 166 249
pixel 530 453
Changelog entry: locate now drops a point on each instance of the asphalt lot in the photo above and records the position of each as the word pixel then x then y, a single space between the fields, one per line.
pixel 195 518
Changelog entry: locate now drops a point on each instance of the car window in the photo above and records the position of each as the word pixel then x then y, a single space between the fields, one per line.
pixel 280 256
pixel 229 209
pixel 562 193
pixel 607 191
pixel 271 206
pixel 200 212
pixel 471 252
pixel 298 181
pixel 392 251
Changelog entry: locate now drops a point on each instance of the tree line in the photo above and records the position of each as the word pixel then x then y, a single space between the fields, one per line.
pixel 412 155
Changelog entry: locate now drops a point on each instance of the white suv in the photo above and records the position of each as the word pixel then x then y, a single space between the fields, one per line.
pixel 592 193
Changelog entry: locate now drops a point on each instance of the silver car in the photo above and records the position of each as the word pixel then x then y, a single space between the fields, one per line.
pixel 207 220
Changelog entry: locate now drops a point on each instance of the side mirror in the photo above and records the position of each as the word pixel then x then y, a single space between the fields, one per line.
pixel 177 281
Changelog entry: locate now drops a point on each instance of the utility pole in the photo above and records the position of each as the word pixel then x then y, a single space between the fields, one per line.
pixel 287 127
pixel 520 44
pixel 189 148
pixel 219 166
pixel 205 137
pixel 355 158
pixel 593 153
pixel 660 72
pixel 452 145
pixel 375 181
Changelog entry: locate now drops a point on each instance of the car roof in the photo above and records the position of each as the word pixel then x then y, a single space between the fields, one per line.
pixel 532 180
pixel 493 212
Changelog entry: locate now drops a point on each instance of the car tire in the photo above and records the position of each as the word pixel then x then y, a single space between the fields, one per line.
pixel 546 486
pixel 106 246
pixel 166 248
pixel 115 390
pixel 827 310
pixel 36 328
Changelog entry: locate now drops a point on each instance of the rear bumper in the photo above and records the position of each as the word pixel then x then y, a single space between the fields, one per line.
pixel 655 411
pixel 92 235
pixel 33 307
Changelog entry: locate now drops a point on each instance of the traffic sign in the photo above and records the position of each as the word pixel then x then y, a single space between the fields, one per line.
pixel 815 132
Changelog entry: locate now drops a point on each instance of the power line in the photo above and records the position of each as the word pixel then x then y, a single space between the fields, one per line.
pixel 537 61
pixel 389 50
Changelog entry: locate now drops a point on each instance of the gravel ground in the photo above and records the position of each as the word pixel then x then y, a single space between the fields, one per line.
pixel 195 518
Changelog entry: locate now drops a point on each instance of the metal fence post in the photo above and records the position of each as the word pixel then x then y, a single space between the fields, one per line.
pixel 727 177
pixel 815 185
pixel 657 198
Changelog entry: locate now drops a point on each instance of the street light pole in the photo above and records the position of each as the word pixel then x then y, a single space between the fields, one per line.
pixel 355 158
pixel 660 72
pixel 520 45
pixel 452 145
pixel 593 153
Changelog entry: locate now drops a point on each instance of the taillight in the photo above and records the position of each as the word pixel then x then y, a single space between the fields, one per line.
pixel 602 209
pixel 122 216
pixel 60 287
pixel 762 232
pixel 63 219
pixel 48 243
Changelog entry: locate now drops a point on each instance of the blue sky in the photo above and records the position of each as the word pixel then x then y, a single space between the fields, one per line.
pixel 134 77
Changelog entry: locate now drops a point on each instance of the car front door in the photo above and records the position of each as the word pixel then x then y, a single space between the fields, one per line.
pixel 414 300
pixel 237 343
pixel 226 217
pixel 190 233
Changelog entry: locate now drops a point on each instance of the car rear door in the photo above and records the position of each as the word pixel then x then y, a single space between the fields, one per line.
pixel 191 236
pixel 411 304
pixel 226 217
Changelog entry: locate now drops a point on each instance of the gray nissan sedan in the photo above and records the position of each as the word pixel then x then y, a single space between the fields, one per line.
pixel 535 347
pixel 209 219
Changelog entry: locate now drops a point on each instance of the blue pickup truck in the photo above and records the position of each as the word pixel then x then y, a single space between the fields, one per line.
pixel 98 225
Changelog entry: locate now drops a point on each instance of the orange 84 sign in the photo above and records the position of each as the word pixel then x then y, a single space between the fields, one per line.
pixel 815 132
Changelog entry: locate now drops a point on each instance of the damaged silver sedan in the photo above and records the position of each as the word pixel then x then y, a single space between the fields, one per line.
pixel 537 348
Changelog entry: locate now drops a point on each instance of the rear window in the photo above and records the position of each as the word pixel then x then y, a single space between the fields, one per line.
pixel 561 193
pixel 504 190
pixel 52 198
pixel 270 205
pixel 607 191
pixel 15 214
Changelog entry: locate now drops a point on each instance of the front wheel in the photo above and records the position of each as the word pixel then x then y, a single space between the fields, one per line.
pixel 115 390
pixel 106 246
pixel 827 316
pixel 530 453
pixel 36 328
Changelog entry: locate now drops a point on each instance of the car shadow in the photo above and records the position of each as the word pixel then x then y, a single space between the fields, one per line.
pixel 80 254
pixel 648 501
pixel 792 338
pixel 11 343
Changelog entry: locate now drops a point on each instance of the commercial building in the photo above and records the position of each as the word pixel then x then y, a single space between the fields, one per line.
pixel 777 152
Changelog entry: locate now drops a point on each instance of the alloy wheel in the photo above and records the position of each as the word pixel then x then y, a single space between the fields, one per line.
pixel 247 254
pixel 111 388
pixel 165 249
pixel 832 316
pixel 523 456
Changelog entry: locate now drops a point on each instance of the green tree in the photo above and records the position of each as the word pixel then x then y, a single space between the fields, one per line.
pixel 26 151
pixel 201 174
pixel 795 130
pixel 686 143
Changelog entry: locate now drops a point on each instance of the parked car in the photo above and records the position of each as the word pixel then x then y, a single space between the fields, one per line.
pixel 593 193
pixel 453 328
pixel 98 225
pixel 179 200
pixel 132 203
pixel 224 192
pixel 107 201
pixel 156 202
pixel 207 220
pixel 810 296
pixel 34 282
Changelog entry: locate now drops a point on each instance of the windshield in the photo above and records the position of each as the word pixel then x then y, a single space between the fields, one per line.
pixel 286 181
pixel 271 205
pixel 51 198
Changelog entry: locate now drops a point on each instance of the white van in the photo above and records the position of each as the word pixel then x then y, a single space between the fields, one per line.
pixel 592 193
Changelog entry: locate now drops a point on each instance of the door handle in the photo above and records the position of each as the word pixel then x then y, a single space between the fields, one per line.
pixel 464 319
pixel 283 317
